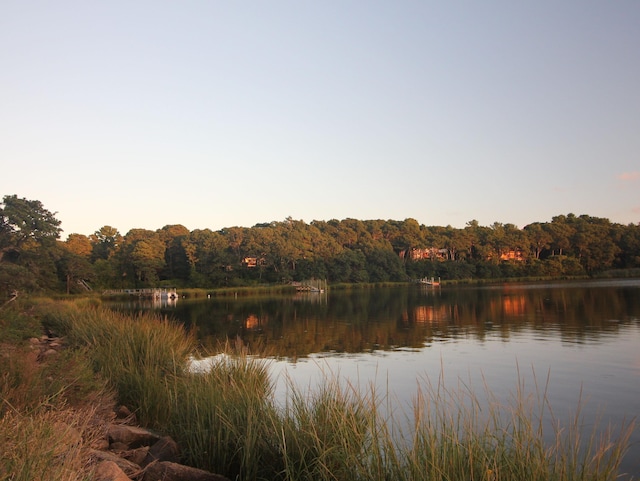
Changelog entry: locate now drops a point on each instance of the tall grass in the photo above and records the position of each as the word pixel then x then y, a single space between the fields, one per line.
pixel 324 435
pixel 447 434
pixel 227 420
pixel 50 411
pixel 139 354
pixel 47 444
pixel 221 417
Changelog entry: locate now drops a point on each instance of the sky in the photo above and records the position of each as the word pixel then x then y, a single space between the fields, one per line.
pixel 212 114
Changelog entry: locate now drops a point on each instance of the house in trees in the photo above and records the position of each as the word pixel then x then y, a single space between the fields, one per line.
pixel 431 253
pixel 253 261
pixel 512 255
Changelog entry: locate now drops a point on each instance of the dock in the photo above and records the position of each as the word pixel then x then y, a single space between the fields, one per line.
pixel 313 285
pixel 145 293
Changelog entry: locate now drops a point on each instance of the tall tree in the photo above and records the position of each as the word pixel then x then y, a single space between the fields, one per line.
pixel 539 238
pixel 79 244
pixel 177 263
pixel 25 221
pixel 105 242
pixel 28 234
pixel 142 256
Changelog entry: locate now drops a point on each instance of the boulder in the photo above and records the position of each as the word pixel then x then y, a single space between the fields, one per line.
pixel 137 456
pixel 167 471
pixel 132 436
pixel 126 415
pixel 118 447
pixel 109 471
pixel 166 449
pixel 130 469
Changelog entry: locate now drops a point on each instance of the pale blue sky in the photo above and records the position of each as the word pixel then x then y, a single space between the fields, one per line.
pixel 215 114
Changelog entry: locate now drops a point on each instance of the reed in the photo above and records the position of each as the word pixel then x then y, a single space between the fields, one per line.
pixel 138 354
pixel 221 417
pixel 46 445
pixel 236 291
pixel 324 434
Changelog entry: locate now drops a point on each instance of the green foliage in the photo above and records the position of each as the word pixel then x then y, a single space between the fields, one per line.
pixel 18 325
pixel 340 251
pixel 27 245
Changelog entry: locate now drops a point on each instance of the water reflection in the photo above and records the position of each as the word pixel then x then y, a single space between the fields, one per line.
pixel 411 317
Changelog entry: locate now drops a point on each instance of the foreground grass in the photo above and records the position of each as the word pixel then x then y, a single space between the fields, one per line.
pixel 50 411
pixel 226 420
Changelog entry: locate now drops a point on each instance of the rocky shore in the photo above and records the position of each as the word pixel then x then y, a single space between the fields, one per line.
pixel 122 450
pixel 132 453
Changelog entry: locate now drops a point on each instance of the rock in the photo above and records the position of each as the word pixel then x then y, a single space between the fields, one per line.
pixel 118 446
pixel 130 469
pixel 48 353
pixel 123 412
pixel 101 444
pixel 166 449
pixel 109 471
pixel 132 436
pixel 137 456
pixel 167 471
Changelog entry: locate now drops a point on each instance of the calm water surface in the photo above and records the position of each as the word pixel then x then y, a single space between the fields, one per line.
pixel 578 340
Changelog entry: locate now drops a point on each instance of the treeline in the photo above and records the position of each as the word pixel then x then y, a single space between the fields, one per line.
pixel 350 250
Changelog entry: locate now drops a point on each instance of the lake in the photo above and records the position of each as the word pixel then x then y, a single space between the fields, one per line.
pixel 579 341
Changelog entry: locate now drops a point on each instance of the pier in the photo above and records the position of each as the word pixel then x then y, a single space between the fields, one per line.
pixel 313 285
pixel 147 292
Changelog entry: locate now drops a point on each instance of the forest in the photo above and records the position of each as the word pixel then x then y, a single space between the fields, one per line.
pixel 34 258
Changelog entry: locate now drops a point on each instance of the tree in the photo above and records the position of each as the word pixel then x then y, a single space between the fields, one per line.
pixel 75 269
pixel 79 244
pixel 28 233
pixel 176 257
pixel 105 242
pixel 561 231
pixel 142 254
pixel 384 265
pixel 25 221
pixel 539 238
pixel 209 258
pixel 458 242
pixel 629 255
pixel 348 266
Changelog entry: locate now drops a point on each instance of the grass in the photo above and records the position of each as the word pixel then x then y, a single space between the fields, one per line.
pixel 238 291
pixel 226 420
pixel 50 411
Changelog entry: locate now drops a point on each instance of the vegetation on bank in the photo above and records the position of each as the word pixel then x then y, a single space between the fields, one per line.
pixel 32 258
pixel 226 419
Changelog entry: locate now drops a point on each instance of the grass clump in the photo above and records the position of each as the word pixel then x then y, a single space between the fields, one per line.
pixel 324 435
pixel 47 444
pixel 221 417
pixel 140 355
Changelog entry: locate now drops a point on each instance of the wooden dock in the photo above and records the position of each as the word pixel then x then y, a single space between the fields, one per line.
pixel 313 285
pixel 147 293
